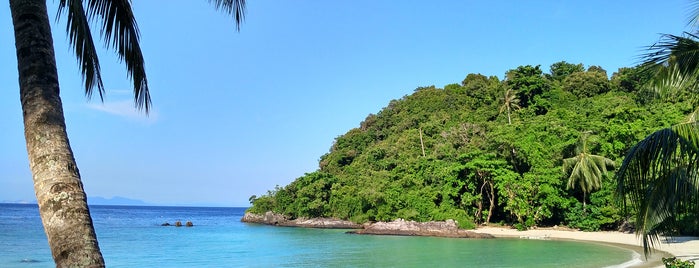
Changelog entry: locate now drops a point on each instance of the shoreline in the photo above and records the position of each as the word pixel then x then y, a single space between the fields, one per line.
pixel 685 248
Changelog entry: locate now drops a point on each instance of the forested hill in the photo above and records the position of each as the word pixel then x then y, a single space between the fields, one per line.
pixel 485 150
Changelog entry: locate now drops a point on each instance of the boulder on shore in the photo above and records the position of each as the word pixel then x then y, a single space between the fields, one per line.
pixel 329 223
pixel 447 228
pixel 269 218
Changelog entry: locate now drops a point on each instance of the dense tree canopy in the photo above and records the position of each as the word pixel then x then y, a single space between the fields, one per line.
pixel 562 69
pixel 482 164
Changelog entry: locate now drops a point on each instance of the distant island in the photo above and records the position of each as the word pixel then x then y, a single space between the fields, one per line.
pixel 115 201
pixel 33 201
pixel 96 200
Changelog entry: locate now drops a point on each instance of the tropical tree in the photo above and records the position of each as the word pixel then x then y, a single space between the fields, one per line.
pixel 658 178
pixel 586 170
pixel 529 82
pixel 586 84
pixel 562 69
pixel 509 102
pixel 57 184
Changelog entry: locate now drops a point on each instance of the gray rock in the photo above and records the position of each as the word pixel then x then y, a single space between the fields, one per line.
pixel 447 228
pixel 271 218
pixel 328 223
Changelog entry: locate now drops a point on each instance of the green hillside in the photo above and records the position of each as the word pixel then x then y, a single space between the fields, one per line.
pixel 485 150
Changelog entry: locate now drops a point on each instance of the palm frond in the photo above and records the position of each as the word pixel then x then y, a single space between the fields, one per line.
pixel 679 52
pixel 232 7
pixel 668 80
pixel 120 31
pixel 569 164
pixel 664 198
pixel 80 38
pixel 659 177
pixel 509 101
pixel 586 170
pixel 693 15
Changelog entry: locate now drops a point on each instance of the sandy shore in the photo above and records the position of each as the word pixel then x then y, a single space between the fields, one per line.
pixel 686 248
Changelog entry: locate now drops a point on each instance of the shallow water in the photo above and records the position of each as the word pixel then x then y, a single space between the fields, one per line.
pixel 132 237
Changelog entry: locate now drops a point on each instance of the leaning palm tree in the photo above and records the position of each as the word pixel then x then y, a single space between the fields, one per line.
pixel 57 184
pixel 657 180
pixel 586 170
pixel 509 102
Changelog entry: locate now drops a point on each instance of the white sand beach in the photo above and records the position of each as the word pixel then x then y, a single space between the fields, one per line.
pixel 686 248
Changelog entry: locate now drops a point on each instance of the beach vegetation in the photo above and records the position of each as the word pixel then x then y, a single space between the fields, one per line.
pixel 673 262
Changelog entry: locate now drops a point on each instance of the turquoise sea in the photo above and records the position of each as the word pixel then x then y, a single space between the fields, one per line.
pixel 131 236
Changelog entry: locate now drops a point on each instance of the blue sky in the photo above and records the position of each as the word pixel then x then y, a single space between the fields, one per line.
pixel 237 113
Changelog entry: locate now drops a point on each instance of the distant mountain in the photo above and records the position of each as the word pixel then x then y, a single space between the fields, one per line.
pixel 117 200
pixel 33 201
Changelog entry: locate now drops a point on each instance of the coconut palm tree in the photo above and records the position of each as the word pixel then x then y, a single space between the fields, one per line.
pixel 586 170
pixel 509 102
pixel 57 184
pixel 657 180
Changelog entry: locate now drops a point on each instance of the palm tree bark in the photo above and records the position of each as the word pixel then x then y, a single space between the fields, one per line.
pixel 509 120
pixel 59 190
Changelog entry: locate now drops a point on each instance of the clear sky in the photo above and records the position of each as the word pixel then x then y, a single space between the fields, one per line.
pixel 237 113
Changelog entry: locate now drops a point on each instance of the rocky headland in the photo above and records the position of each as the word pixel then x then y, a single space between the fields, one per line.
pixel 447 228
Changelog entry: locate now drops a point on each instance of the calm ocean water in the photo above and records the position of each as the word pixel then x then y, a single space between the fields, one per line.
pixel 132 237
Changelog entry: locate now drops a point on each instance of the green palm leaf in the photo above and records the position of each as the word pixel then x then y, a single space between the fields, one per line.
pixel 586 170
pixel 658 179
pixel 80 38
pixel 119 30
pixel 232 7
pixel 673 63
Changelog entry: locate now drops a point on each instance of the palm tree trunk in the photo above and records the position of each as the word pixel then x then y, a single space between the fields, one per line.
pixel 422 144
pixel 59 191
pixel 509 120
